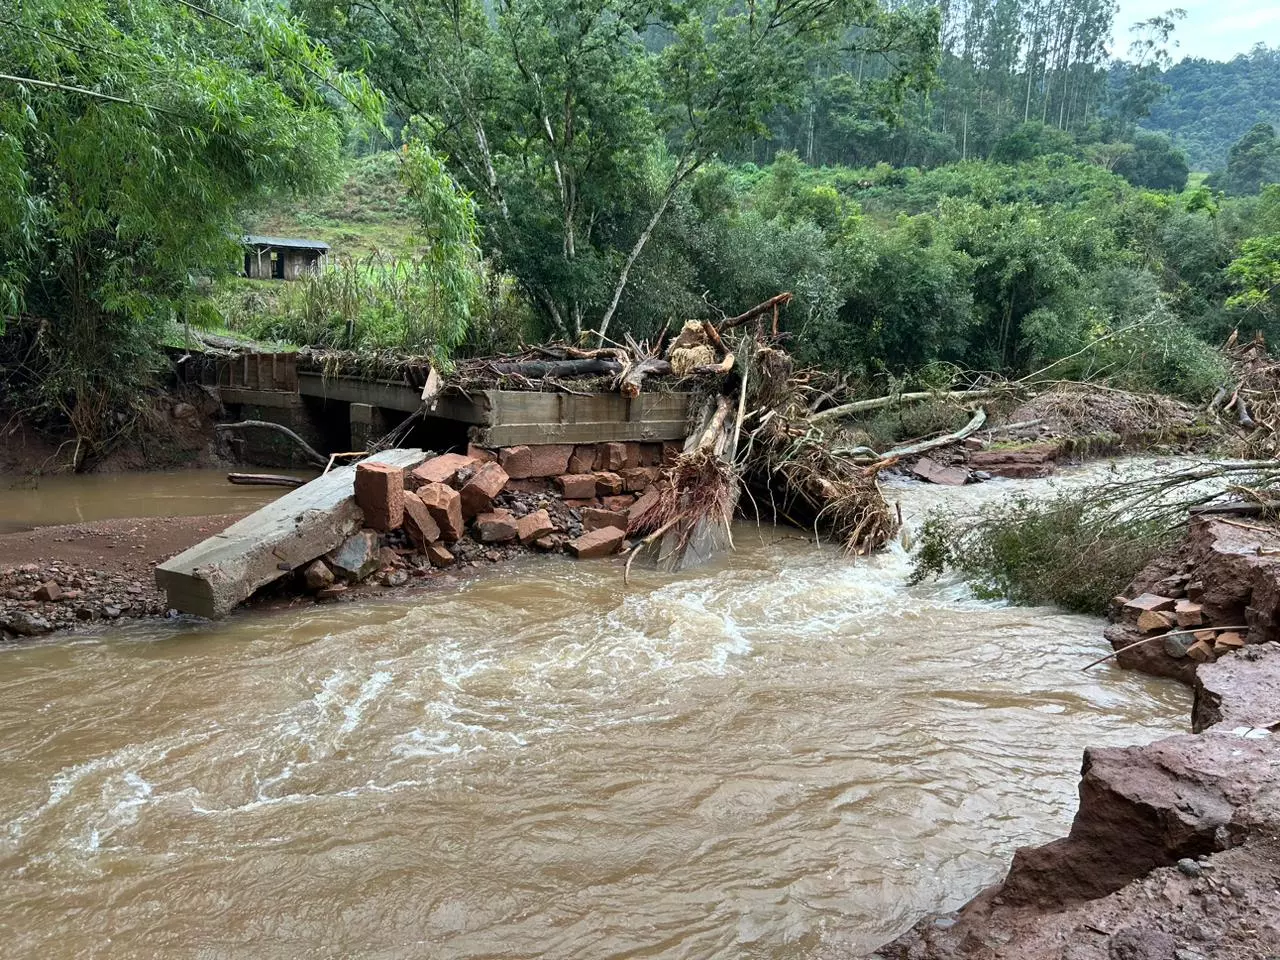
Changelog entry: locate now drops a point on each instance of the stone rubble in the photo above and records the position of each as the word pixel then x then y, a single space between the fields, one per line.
pixel 452 512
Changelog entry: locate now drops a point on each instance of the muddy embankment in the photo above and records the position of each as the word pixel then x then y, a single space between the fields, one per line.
pixel 1174 853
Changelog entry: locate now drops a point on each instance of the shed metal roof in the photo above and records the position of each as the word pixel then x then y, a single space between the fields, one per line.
pixel 253 240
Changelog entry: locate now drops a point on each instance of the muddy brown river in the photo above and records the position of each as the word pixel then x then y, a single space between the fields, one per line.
pixel 788 754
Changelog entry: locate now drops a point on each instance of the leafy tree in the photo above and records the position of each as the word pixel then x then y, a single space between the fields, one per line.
pixel 1252 162
pixel 1033 139
pixel 1154 163
pixel 1256 272
pixel 131 134
pixel 575 123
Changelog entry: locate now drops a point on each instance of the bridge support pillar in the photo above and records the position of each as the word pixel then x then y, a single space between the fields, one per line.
pixel 367 424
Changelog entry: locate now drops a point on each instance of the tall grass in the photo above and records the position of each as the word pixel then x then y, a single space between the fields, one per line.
pixel 370 303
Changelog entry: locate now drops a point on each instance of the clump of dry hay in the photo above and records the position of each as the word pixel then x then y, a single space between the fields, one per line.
pixel 691 349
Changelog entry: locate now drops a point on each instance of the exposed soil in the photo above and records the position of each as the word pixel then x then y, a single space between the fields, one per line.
pixel 1229 910
pixel 102 570
pixel 175 430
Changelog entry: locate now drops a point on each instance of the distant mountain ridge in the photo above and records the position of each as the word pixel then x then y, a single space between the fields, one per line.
pixel 1212 104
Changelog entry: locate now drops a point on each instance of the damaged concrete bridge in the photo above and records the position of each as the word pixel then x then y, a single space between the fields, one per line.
pixel 343 411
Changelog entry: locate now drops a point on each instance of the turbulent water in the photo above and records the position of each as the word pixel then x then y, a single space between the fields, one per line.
pixel 786 755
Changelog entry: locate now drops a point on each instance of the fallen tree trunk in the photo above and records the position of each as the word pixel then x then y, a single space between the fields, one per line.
pixel 1234 509
pixel 861 406
pixel 305 447
pixel 758 310
pixel 715 369
pixel 924 446
pixel 537 369
pixel 264 480
pixel 632 378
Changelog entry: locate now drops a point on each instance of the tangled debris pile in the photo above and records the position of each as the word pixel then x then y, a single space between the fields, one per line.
pixel 1253 400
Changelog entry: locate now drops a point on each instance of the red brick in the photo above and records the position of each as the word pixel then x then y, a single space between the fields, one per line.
pixel 582 460
pixel 632 458
pixel 597 543
pixel 441 469
pixel 593 518
pixel 480 454
pixel 498 526
pixel 577 486
pixel 49 592
pixel 534 526
pixel 517 461
pixel 550 459
pixel 647 502
pixel 547 543
pixel 613 456
pixel 379 491
pixel 479 491
pixel 439 555
pixel 608 484
pixel 419 522
pixel 621 503
pixel 639 479
pixel 445 506
pixel 578 504
pixel 650 454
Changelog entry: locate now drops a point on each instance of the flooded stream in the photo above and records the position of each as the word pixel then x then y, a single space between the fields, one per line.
pixel 78 498
pixel 788 754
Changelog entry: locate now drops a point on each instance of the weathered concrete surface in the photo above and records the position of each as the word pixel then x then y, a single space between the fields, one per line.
pixel 209 579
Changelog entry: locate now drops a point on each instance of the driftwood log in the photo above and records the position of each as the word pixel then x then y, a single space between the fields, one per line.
pixel 631 380
pixel 861 406
pixel 759 310
pixel 264 480
pixel 924 446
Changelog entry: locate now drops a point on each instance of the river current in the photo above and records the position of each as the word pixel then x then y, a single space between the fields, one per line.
pixel 786 754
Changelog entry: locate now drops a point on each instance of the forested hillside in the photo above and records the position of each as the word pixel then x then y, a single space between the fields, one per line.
pixel 1210 105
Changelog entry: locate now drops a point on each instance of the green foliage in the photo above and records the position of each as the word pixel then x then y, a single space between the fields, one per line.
pixel 1256 272
pixel 1209 105
pixel 1154 163
pixel 131 139
pixel 1064 551
pixel 575 125
pixel 1252 163
pixel 452 255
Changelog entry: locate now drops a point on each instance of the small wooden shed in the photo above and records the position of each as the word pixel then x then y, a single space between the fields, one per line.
pixel 282 258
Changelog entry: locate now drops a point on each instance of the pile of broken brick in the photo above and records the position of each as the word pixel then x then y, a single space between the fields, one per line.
pixel 1180 620
pixel 484 506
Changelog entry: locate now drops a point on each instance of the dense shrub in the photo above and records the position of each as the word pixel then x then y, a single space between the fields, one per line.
pixel 1065 551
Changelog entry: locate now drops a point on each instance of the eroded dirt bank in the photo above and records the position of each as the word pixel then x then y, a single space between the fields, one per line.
pixel 1173 853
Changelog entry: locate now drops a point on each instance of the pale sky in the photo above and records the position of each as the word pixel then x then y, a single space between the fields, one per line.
pixel 1213 29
